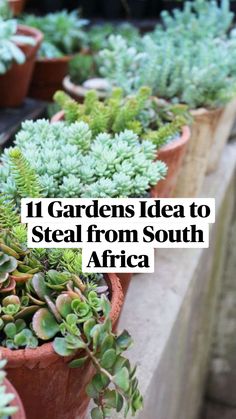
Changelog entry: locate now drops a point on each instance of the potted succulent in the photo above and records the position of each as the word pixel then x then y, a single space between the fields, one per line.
pixel 152 119
pixel 85 162
pixel 57 323
pixel 181 67
pixel 83 70
pixel 18 45
pixel 11 405
pixel 63 36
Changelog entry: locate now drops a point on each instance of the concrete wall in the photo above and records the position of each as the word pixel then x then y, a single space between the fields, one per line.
pixel 171 313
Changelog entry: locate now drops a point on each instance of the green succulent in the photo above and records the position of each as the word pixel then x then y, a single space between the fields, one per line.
pixel 10 53
pixel 63 32
pixel 5 398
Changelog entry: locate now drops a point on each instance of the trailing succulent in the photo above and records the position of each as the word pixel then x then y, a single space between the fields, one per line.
pixel 147 116
pixel 44 297
pixel 63 32
pixel 6 411
pixel 72 162
pixel 10 52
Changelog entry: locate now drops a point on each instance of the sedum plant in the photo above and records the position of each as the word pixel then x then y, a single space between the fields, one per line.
pixel 63 32
pixel 10 52
pixel 45 297
pixel 195 73
pixel 6 411
pixel 72 162
pixel 145 115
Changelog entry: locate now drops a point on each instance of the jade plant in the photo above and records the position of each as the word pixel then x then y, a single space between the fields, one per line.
pixel 63 32
pixel 45 297
pixel 6 411
pixel 71 161
pixel 147 116
pixel 10 52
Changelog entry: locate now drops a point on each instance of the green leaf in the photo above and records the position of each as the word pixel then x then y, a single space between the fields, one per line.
pixel 60 347
pixel 122 379
pixel 76 363
pixel 44 324
pixel 119 402
pixel 10 330
pixel 109 398
pixel 120 363
pixel 96 413
pixel 106 305
pixel 92 391
pixel 108 358
pixel 107 343
pixel 88 326
pixel 98 382
pixel 124 340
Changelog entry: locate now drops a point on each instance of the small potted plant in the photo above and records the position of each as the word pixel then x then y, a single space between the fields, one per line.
pixel 83 70
pixel 19 45
pixel 58 323
pixel 64 36
pixel 165 125
pixel 84 161
pixel 11 405
pixel 17 6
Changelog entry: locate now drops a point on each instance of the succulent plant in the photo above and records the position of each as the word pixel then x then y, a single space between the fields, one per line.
pixel 145 115
pixel 69 161
pixel 52 300
pixel 6 411
pixel 63 32
pixel 10 52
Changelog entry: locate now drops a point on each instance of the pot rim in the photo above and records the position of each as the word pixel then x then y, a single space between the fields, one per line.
pixel 178 142
pixel 45 60
pixel 29 31
pixel 40 354
pixel 78 90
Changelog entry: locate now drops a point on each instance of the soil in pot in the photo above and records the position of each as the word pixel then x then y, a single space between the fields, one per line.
pixel 172 154
pixel 78 92
pixel 14 84
pixel 49 389
pixel 48 76
pixel 16 402
pixel 194 167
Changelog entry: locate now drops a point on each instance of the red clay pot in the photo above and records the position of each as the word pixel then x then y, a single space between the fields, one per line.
pixel 125 278
pixel 16 402
pixel 15 83
pixel 48 76
pixel 49 389
pixel 172 154
pixel 16 6
pixel 78 92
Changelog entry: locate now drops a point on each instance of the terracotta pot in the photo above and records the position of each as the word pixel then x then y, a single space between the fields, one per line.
pixel 223 129
pixel 49 389
pixel 194 167
pixel 172 154
pixel 14 84
pixel 17 6
pixel 125 279
pixel 16 402
pixel 78 92
pixel 47 77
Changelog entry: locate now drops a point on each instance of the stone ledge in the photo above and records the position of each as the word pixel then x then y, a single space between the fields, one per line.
pixel 166 312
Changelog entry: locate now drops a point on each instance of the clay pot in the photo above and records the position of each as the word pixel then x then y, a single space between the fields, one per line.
pixel 16 402
pixel 14 84
pixel 194 167
pixel 48 76
pixel 16 6
pixel 125 279
pixel 49 389
pixel 172 154
pixel 78 92
pixel 223 129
